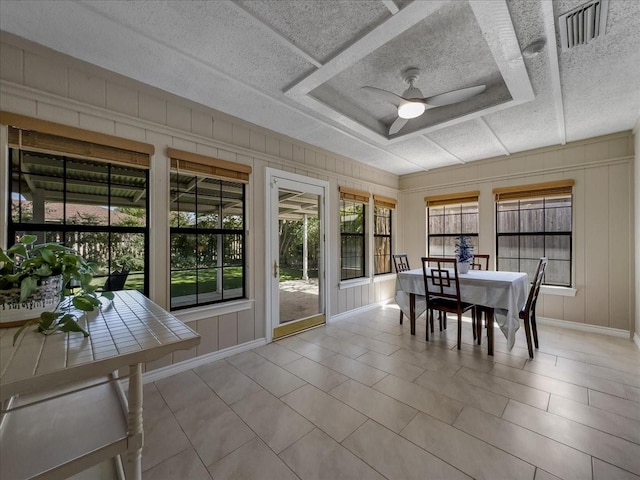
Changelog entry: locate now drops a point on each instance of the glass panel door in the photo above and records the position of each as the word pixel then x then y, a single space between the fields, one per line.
pixel 297 271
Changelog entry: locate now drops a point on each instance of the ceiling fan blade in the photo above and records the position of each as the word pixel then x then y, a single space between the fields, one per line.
pixel 454 96
pixel 397 125
pixel 383 95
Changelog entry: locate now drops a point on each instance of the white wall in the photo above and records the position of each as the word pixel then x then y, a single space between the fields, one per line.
pixel 52 87
pixel 603 236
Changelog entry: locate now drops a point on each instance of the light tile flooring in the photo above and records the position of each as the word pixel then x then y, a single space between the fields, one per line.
pixel 361 398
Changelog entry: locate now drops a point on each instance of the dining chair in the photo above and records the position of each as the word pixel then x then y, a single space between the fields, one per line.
pixel 442 289
pixel 401 263
pixel 116 280
pixel 528 313
pixel 480 262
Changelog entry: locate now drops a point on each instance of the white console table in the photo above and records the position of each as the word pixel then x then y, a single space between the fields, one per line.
pixel 65 410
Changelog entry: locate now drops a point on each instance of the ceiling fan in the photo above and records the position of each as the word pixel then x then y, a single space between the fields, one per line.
pixel 412 103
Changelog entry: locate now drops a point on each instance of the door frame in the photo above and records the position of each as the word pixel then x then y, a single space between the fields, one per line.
pixel 271 235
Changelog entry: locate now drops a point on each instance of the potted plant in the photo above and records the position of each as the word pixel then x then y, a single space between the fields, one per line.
pixel 32 287
pixel 464 253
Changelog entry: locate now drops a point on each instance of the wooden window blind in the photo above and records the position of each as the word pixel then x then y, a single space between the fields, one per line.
pixel 449 198
pixel 208 166
pixel 384 202
pixel 548 189
pixel 354 195
pixel 43 136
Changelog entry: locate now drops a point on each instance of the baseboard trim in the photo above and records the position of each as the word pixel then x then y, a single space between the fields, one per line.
pixel 364 308
pixel 185 365
pixel 613 332
pixel 636 340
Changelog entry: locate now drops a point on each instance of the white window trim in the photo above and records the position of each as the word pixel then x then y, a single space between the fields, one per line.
pixel 384 277
pixel 215 310
pixel 557 290
pixel 354 282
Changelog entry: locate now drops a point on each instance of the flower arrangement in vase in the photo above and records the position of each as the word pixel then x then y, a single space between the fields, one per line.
pixel 464 253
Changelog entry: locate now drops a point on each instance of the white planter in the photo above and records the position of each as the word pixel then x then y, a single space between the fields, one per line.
pixel 463 267
pixel 14 313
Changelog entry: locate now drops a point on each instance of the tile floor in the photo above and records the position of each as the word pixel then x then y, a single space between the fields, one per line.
pixel 361 398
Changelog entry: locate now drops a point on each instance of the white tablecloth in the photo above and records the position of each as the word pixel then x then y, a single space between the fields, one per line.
pixel 506 292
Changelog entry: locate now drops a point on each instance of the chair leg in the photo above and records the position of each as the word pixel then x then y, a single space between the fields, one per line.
pixel 479 325
pixel 473 322
pixel 527 330
pixel 431 324
pixel 401 315
pixel 534 328
pixel 459 330
pixel 440 320
pixel 429 317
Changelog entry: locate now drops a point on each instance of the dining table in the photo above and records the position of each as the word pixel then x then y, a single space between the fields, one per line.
pixel 502 293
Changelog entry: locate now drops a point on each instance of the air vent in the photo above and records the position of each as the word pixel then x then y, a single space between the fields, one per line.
pixel 583 24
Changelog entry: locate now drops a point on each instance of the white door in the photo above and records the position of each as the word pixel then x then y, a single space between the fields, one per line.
pixel 296 267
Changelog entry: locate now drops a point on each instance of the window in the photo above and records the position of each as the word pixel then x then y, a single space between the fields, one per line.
pixel 207 230
pixel 382 249
pixel 448 217
pixel 83 189
pixel 352 233
pixel 534 221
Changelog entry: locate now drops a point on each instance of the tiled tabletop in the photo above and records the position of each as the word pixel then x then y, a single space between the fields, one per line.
pixel 128 330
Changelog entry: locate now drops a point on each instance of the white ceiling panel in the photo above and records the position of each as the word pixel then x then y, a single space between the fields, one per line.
pixel 296 67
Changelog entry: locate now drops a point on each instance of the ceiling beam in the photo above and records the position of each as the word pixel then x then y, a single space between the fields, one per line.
pixel 554 67
pixel 441 148
pixel 275 33
pixel 391 6
pixel 406 18
pixel 483 123
pixel 496 25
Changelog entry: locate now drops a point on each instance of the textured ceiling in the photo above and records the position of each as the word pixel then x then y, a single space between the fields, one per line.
pixel 296 67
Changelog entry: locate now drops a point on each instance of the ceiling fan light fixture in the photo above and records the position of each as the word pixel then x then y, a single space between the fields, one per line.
pixel 409 110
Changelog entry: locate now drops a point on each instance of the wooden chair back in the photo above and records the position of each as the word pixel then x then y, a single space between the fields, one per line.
pixel 530 306
pixel 441 278
pixel 116 280
pixel 401 262
pixel 480 262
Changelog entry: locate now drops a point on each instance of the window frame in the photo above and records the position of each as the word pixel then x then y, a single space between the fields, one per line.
pixel 362 235
pixel 67 228
pixel 527 193
pixel 389 236
pixel 451 200
pixel 209 231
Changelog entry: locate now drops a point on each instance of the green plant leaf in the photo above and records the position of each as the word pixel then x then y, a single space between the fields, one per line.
pixel 4 257
pixel 27 239
pixel 20 330
pixel 68 324
pixel 83 304
pixel 17 249
pixel 47 319
pixel 27 287
pixel 109 295
pixel 86 279
pixel 48 256
pixel 43 270
pixel 70 259
pixel 55 247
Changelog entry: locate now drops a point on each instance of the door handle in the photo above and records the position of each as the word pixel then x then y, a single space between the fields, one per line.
pixel 275 269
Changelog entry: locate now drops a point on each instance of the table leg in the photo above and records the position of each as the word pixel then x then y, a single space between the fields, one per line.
pixel 490 331
pixel 412 312
pixel 135 433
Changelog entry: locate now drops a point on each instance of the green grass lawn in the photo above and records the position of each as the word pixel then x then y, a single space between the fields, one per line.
pixel 287 273
pixel 184 282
